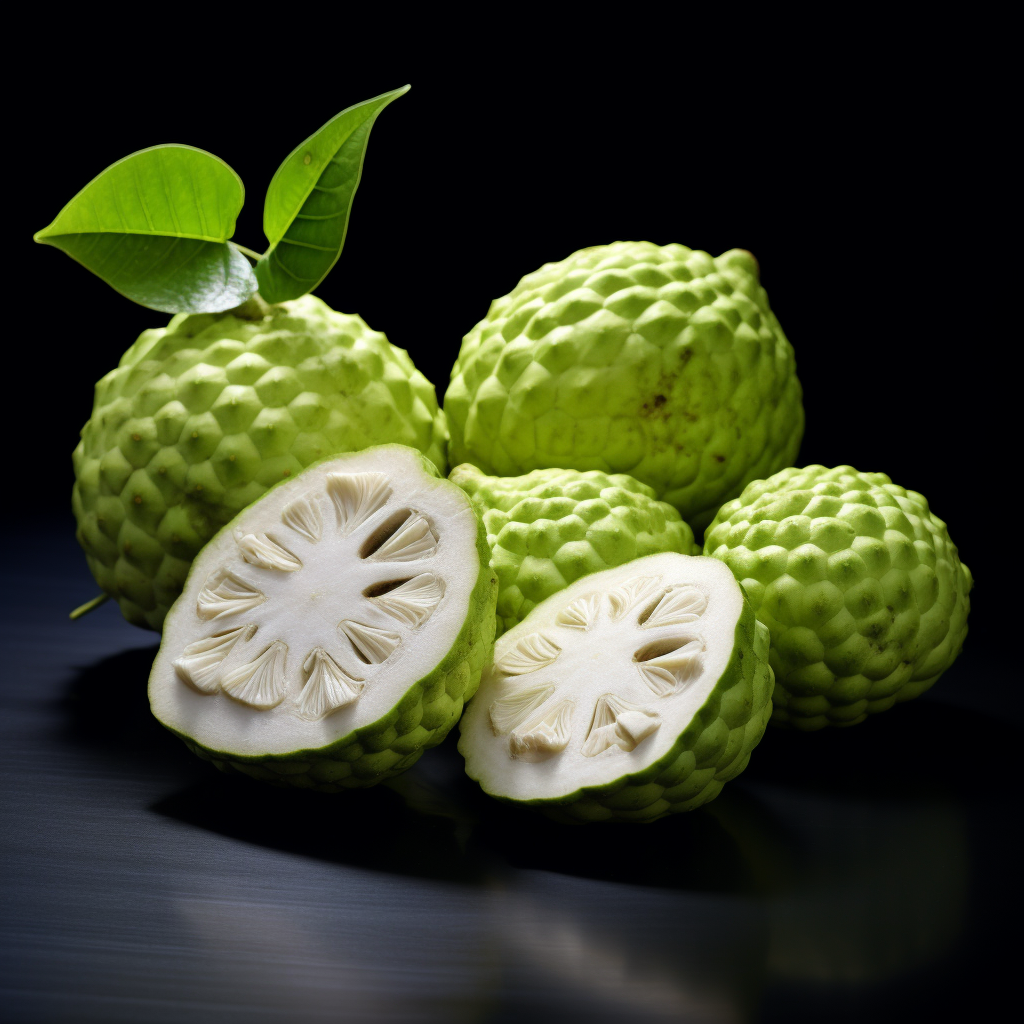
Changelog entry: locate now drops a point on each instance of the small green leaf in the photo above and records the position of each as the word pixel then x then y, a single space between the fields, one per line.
pixel 306 213
pixel 155 226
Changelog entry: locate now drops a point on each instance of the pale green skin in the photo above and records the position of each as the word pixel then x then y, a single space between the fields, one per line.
pixel 396 741
pixel 657 361
pixel 550 527
pixel 201 417
pixel 858 582
pixel 713 749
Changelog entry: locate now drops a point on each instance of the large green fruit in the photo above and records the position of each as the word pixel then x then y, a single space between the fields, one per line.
pixel 331 632
pixel 657 361
pixel 550 527
pixel 858 582
pixel 633 693
pixel 201 417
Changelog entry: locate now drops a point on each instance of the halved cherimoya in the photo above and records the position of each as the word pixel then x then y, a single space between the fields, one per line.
pixel 332 631
pixel 631 694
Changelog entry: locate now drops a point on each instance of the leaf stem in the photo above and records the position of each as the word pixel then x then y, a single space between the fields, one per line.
pixel 84 609
pixel 254 256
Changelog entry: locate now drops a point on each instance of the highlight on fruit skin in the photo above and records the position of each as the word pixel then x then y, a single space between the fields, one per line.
pixel 857 580
pixel 551 527
pixel 657 361
pixel 200 418
pixel 331 633
pixel 633 693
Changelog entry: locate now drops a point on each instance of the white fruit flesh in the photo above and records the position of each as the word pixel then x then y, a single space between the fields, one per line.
pixel 317 609
pixel 599 680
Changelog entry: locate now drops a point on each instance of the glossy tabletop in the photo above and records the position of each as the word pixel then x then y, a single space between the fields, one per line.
pixel 851 875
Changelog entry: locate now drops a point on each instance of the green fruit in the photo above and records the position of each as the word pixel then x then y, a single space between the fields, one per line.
pixel 552 526
pixel 631 694
pixel 858 582
pixel 201 417
pixel 331 632
pixel 657 361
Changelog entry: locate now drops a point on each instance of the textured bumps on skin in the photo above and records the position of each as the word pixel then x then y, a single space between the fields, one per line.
pixel 333 630
pixel 858 582
pixel 633 693
pixel 657 361
pixel 201 417
pixel 552 526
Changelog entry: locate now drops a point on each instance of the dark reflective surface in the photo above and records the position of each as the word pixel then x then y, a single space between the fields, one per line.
pixel 853 874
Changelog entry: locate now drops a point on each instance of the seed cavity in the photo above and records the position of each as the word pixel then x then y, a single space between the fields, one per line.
pixel 304 516
pixel 260 683
pixel 543 737
pixel 622 599
pixel 529 654
pixel 411 540
pixel 356 497
pixel 516 707
pixel 371 644
pixel 618 725
pixel 668 665
pixel 413 601
pixel 580 613
pixel 328 686
pixel 199 664
pixel 265 552
pixel 226 594
pixel 678 606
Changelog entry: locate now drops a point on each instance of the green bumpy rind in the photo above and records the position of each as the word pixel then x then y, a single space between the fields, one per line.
pixel 420 720
pixel 201 417
pixel 713 749
pixel 858 582
pixel 657 361
pixel 552 526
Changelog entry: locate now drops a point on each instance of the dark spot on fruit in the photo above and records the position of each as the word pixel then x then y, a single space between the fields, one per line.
pixel 659 401
pixel 718 458
pixel 287 472
pixel 136 437
pixel 138 499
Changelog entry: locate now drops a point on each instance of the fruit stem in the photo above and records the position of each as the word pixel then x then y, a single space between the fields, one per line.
pixel 254 256
pixel 84 609
pixel 254 308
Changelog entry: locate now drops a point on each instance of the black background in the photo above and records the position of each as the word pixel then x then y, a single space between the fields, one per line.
pixel 864 164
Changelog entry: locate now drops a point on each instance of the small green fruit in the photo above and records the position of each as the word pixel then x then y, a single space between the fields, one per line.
pixel 331 632
pixel 201 417
pixel 552 526
pixel 657 361
pixel 858 582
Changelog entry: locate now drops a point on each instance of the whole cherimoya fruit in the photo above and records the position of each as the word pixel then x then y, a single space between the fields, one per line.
pixel 202 417
pixel 551 527
pixel 657 361
pixel 858 583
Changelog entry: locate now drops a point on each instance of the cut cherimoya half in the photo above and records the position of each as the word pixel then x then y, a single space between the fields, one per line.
pixel 331 632
pixel 631 694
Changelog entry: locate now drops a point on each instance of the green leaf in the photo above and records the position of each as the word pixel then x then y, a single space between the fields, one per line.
pixel 306 213
pixel 155 226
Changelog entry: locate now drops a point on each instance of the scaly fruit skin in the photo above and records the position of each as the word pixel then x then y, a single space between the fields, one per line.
pixel 858 582
pixel 397 740
pixel 550 527
pixel 657 361
pixel 201 417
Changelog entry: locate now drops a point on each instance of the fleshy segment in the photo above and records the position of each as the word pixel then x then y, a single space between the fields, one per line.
pixel 420 718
